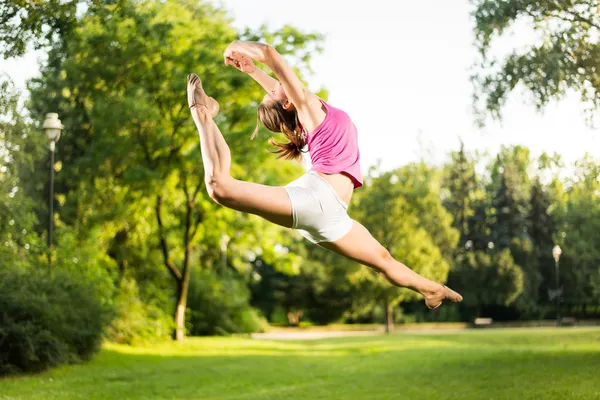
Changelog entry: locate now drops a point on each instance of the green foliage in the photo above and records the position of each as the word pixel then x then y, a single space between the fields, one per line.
pixel 543 227
pixel 565 56
pixel 513 212
pixel 488 278
pixel 136 322
pixel 48 317
pixel 320 292
pixel 220 305
pixel 132 207
pixel 578 220
pixel 17 152
pixel 29 22
pixel 135 170
pixel 403 210
pixel 526 211
pixel 509 206
pixel 460 183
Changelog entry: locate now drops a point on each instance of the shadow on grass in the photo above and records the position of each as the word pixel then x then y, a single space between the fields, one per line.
pixel 379 367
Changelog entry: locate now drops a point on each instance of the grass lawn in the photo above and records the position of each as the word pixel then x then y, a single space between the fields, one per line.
pixel 494 364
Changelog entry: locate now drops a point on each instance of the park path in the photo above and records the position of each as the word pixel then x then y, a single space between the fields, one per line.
pixel 312 335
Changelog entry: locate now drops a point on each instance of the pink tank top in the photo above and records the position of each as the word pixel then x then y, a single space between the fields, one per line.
pixel 333 145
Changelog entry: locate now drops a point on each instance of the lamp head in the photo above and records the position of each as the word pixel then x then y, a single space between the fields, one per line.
pixel 556 252
pixel 52 126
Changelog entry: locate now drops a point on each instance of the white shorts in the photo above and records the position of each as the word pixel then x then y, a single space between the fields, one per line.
pixel 318 212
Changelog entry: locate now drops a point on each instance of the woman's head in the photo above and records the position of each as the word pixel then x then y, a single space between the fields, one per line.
pixel 278 114
pixel 278 94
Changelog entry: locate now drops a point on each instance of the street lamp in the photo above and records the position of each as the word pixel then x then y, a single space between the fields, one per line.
pixel 52 127
pixel 556 252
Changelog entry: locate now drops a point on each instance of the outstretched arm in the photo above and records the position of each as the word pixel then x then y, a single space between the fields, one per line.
pixel 268 83
pixel 245 64
pixel 293 87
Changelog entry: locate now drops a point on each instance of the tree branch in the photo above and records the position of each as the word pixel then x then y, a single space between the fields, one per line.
pixel 189 211
pixel 8 16
pixel 582 19
pixel 197 190
pixel 163 243
pixel 144 145
pixel 187 237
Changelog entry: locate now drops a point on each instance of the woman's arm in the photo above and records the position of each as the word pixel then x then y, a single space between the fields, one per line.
pixel 268 83
pixel 245 64
pixel 293 87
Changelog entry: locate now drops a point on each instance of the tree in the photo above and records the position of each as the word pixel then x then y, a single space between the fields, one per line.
pixel 578 233
pixel 496 244
pixel 40 23
pixel 511 229
pixel 566 55
pixel 18 147
pixel 487 279
pixel 319 292
pixel 541 233
pixel 403 210
pixel 461 184
pixel 132 151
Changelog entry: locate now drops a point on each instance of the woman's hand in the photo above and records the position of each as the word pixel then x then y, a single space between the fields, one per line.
pixel 254 50
pixel 239 61
pixel 234 47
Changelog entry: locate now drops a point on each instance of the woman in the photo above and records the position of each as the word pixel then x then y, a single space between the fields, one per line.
pixel 316 204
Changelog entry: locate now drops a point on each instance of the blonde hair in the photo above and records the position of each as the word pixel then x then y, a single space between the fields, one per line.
pixel 277 119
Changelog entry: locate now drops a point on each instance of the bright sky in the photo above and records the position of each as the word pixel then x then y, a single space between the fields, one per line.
pixel 401 71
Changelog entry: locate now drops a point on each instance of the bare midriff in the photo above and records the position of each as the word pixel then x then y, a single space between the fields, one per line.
pixel 341 183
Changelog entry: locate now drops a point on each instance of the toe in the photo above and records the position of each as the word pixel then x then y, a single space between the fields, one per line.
pixel 192 78
pixel 454 296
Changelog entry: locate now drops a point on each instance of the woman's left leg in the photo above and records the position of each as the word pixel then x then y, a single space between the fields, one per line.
pixel 359 245
pixel 271 203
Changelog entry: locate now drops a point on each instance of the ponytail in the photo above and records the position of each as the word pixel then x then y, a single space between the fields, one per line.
pixel 278 119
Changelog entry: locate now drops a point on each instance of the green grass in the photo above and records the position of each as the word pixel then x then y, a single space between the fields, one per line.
pixel 489 364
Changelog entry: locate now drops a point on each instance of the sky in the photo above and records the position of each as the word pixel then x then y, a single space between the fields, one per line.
pixel 400 69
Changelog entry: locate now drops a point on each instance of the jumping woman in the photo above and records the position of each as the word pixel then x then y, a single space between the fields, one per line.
pixel 316 204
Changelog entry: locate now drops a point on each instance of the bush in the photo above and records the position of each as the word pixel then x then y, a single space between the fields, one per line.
pixel 135 321
pixel 220 305
pixel 47 318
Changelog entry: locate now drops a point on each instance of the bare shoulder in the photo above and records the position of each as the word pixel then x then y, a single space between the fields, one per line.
pixel 312 113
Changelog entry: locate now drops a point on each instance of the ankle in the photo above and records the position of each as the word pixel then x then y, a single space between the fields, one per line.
pixel 431 289
pixel 201 111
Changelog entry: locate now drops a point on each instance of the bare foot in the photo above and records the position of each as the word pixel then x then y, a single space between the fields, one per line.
pixel 434 300
pixel 197 97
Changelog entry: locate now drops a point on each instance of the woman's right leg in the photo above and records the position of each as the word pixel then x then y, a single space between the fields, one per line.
pixel 271 203
pixel 359 245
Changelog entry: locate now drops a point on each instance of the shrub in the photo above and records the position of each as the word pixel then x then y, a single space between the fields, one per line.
pixel 47 317
pixel 137 322
pixel 220 305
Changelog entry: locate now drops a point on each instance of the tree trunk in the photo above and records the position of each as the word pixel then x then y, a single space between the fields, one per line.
pixel 182 294
pixel 183 285
pixel 180 320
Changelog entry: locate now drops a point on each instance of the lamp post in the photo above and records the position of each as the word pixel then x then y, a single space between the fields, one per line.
pixel 52 127
pixel 556 252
